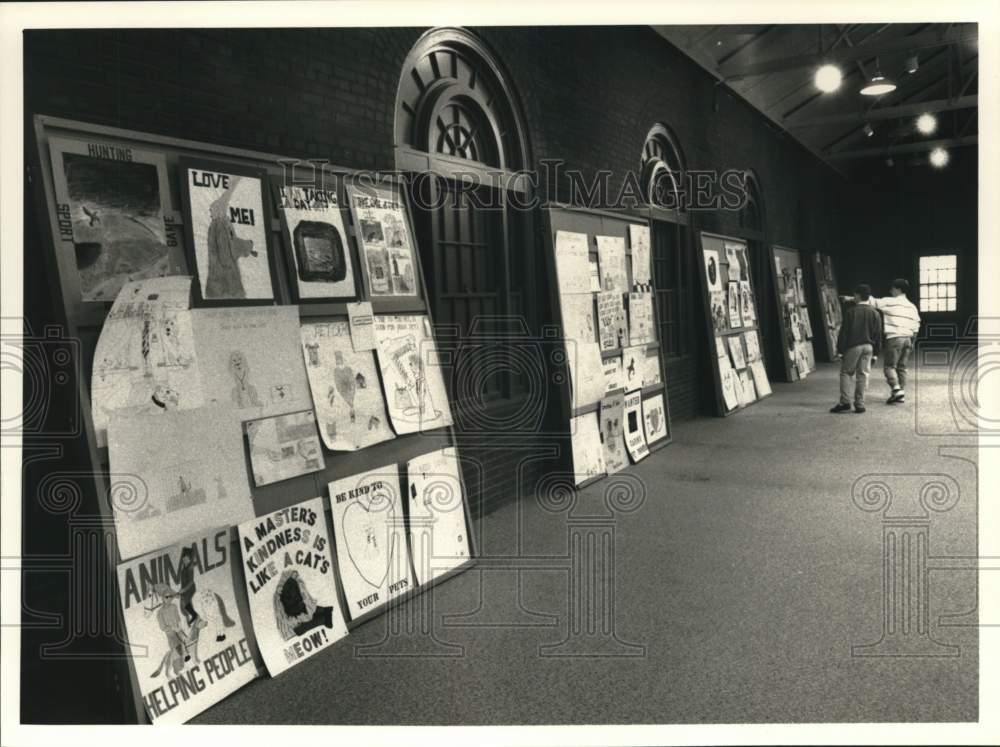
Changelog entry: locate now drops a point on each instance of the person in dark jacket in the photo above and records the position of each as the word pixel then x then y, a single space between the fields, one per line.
pixel 859 342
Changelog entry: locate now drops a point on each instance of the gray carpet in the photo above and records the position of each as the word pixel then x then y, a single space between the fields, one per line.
pixel 739 586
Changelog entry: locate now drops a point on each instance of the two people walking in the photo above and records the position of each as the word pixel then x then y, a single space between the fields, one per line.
pixel 871 326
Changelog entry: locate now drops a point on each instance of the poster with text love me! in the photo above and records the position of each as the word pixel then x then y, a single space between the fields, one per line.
pixel 290 585
pixel 188 643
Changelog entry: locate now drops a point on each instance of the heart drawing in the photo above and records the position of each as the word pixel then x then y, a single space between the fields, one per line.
pixel 368 536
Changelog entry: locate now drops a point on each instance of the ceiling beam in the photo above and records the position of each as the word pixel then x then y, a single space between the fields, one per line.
pixel 863 51
pixel 887 112
pixel 893 150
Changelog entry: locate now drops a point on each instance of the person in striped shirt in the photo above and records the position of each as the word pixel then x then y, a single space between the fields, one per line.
pixel 902 322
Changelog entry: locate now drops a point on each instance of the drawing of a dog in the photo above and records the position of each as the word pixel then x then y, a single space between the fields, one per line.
pixel 225 248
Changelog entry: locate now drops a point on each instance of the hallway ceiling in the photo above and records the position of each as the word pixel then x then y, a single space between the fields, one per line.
pixel 772 68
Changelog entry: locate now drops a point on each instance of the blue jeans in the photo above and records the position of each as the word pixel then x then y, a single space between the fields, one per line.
pixel 897 355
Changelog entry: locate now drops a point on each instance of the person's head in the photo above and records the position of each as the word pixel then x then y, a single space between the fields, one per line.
pixel 862 292
pixel 187 557
pixel 900 287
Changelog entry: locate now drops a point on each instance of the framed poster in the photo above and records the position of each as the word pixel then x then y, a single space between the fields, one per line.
pixel 292 593
pixel 439 534
pixel 350 406
pixel 382 224
pixel 116 215
pixel 227 227
pixel 322 265
pixel 370 533
pixel 189 644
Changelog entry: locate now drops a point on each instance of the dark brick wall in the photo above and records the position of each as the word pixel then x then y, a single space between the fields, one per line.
pixel 589 96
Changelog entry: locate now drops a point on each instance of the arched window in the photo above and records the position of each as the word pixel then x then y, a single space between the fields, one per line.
pixel 663 170
pixel 460 136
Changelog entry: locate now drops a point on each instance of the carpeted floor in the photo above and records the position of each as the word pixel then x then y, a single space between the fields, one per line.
pixel 736 592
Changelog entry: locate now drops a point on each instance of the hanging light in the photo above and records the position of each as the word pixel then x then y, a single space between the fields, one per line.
pixel 926 123
pixel 879 85
pixel 868 130
pixel 828 78
pixel 912 64
pixel 939 158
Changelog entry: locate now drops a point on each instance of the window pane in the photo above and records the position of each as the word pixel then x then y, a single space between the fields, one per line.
pixel 951 304
pixel 932 291
pixel 948 276
pixel 949 261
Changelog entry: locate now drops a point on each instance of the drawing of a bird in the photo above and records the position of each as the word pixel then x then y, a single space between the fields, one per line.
pixel 92 214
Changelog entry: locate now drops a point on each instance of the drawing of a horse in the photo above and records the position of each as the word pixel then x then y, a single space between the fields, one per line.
pixel 225 248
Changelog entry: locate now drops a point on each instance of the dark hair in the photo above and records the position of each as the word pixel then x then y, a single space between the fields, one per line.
pixel 902 284
pixel 864 291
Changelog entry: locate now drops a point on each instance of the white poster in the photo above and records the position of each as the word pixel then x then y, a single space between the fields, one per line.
pixel 747 312
pixel 753 347
pixel 613 374
pixel 116 217
pixel 713 272
pixel 612 414
pixel 635 438
pixel 720 347
pixel 314 230
pixel 611 323
pixel 611 255
pixel 188 643
pixel 588 453
pixel 370 533
pixel 736 351
pixel 734 268
pixel 229 227
pixel 411 374
pixel 175 473
pixel 654 416
pixel 586 370
pixel 651 368
pixel 250 360
pixel 350 408
pixel 385 242
pixel 632 365
pixel 283 446
pixel 730 385
pixel 145 356
pixel 749 392
pixel 572 262
pixel 288 569
pixel 578 317
pixel 640 314
pixel 719 312
pixel 639 243
pixel 760 379
pixel 439 535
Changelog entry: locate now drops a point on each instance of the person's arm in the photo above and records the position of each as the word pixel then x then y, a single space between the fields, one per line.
pixel 841 335
pixel 878 334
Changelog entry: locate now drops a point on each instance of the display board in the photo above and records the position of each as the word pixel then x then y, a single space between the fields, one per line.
pixel 732 323
pixel 830 309
pixel 613 389
pixel 793 313
pixel 228 304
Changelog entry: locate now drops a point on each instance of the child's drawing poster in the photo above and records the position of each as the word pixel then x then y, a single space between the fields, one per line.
pixel 288 569
pixel 381 221
pixel 439 535
pixel 145 356
pixel 713 272
pixel 611 255
pixel 188 642
pixel 730 385
pixel 736 351
pixel 578 317
pixel 735 315
pixel 370 533
pixel 639 244
pixel 350 408
pixel 635 437
pixel 613 433
pixel 115 214
pixel 640 315
pixel 654 417
pixel 572 262
pixel 586 372
pixel 415 394
pixel 752 344
pixel 747 309
pixel 174 473
pixel 229 226
pixel 720 318
pixel 283 446
pixel 314 231
pixel 613 374
pixel 250 360
pixel 633 360
pixel 612 325
pixel 760 380
pixel 651 368
pixel 588 454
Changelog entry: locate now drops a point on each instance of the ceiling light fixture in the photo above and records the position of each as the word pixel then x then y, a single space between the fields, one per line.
pixel 828 78
pixel 868 130
pixel 912 64
pixel 939 158
pixel 926 123
pixel 879 85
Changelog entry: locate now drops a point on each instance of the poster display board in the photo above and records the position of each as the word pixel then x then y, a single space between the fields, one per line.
pixel 236 415
pixel 830 309
pixel 793 313
pixel 731 321
pixel 601 264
